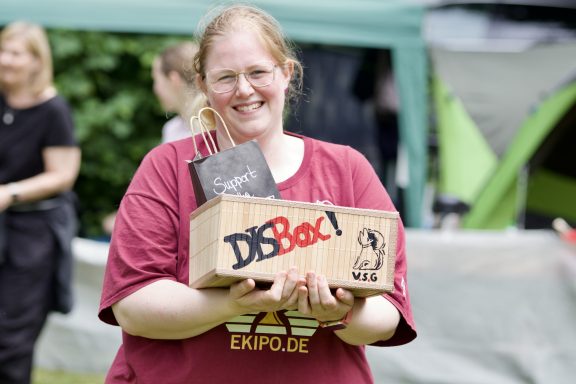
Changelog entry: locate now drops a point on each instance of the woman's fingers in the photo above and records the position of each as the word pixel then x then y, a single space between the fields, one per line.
pixel 242 288
pixel 345 296
pixel 303 302
pixel 317 299
pixel 282 294
pixel 313 295
pixel 327 300
pixel 290 283
pixel 290 292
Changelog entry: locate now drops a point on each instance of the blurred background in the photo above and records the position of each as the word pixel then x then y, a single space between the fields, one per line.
pixel 466 109
pixel 461 106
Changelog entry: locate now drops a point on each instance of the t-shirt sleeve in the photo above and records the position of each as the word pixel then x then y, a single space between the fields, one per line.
pixel 61 132
pixel 369 193
pixel 144 243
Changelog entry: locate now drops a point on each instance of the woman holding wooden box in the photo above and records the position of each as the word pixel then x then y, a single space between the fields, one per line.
pixel 297 330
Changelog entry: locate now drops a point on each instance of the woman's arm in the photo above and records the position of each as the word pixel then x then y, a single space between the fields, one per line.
pixel 166 309
pixel 61 166
pixel 373 319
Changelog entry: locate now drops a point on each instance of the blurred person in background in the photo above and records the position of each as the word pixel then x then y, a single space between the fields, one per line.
pixel 39 163
pixel 172 333
pixel 174 85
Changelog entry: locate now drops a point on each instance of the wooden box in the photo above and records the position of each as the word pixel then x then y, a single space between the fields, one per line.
pixel 236 237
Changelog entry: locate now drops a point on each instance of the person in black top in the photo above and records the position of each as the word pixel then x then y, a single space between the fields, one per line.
pixel 39 163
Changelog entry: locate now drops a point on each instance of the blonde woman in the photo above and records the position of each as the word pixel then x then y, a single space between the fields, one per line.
pixel 39 163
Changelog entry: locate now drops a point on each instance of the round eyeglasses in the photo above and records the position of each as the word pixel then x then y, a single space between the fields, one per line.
pixel 223 80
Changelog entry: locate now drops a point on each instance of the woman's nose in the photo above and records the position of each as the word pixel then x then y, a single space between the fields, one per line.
pixel 244 86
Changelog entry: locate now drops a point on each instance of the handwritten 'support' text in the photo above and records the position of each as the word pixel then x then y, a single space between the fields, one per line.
pixel 226 186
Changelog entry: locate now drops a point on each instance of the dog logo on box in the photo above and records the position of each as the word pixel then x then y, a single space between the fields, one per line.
pixel 371 257
pixel 372 254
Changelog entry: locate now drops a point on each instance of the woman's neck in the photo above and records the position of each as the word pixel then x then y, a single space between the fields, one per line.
pixel 284 157
pixel 24 98
pixel 269 142
pixel 283 153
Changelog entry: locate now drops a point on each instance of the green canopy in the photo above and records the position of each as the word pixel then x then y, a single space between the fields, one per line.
pixel 393 24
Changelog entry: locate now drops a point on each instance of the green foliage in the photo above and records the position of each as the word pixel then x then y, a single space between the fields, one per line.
pixel 106 78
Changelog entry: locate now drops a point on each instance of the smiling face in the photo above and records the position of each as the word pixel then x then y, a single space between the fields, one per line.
pixel 25 58
pixel 17 64
pixel 250 112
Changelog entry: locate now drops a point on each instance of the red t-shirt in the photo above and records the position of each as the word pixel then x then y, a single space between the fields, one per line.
pixel 150 242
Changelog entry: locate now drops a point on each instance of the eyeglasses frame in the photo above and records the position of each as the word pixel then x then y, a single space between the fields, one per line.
pixel 237 75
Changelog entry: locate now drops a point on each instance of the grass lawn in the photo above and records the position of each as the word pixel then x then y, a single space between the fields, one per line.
pixel 42 376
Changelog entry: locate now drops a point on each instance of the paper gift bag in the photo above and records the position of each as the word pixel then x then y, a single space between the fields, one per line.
pixel 240 170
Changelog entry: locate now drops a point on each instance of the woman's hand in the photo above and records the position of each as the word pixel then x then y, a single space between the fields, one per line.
pixel 283 294
pixel 373 319
pixel 316 299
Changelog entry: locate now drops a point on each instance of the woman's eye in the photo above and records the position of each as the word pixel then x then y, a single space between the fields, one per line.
pixel 226 77
pixel 258 72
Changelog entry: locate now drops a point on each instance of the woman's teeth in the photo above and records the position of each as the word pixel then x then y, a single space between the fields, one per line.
pixel 247 108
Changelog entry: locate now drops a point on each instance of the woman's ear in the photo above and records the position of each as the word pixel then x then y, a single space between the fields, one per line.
pixel 201 85
pixel 288 71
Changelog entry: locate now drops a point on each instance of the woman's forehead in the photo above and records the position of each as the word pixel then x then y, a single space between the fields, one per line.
pixel 14 43
pixel 237 49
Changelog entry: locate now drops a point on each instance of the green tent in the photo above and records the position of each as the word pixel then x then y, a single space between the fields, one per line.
pixel 393 24
pixel 506 133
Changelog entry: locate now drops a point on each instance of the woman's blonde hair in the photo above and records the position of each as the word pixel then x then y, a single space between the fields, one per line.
pixel 36 42
pixel 229 18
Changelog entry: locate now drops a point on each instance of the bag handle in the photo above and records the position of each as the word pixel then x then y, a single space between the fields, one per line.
pixel 204 130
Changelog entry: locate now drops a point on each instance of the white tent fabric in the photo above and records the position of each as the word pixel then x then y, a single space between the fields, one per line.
pixel 491 307
pixel 501 89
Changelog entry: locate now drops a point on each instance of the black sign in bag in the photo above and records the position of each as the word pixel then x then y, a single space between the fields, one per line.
pixel 240 170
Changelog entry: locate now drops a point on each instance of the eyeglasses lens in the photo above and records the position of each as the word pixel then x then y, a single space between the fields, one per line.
pixel 225 80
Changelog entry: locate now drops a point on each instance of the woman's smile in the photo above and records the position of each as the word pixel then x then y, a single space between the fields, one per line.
pixel 249 107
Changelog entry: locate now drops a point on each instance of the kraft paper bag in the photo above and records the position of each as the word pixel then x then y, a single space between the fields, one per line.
pixel 240 170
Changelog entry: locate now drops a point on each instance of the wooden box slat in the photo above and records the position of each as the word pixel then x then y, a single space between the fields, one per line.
pixel 222 229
